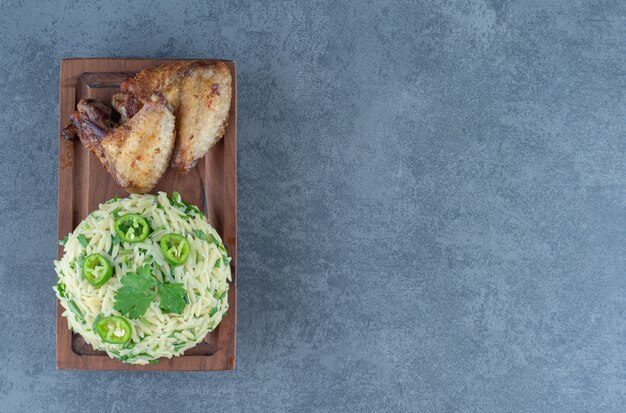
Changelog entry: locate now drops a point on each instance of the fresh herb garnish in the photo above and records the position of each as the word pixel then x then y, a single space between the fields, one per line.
pixel 200 234
pixel 95 321
pixel 127 356
pixel 172 297
pixel 115 240
pixel 213 311
pixel 83 241
pixel 189 209
pixel 128 345
pixel 74 308
pixel 221 296
pixel 155 361
pixel 222 248
pixel 63 241
pixel 140 288
pixel 78 261
pixel 61 289
pixel 137 292
pixel 223 260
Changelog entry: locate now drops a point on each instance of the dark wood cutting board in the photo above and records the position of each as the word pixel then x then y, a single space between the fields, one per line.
pixel 84 184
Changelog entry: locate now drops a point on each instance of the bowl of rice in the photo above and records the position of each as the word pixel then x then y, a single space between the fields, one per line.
pixel 143 277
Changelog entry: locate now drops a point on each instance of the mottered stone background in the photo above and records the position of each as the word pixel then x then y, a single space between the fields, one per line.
pixel 432 205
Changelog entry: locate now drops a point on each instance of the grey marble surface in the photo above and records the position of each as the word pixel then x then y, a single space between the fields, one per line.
pixel 432 205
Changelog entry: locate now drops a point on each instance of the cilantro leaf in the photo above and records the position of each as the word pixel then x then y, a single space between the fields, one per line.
pixel 115 240
pixel 214 240
pixel 221 296
pixel 200 234
pixel 61 289
pixel 224 260
pixel 78 261
pixel 173 297
pixel 190 210
pixel 140 288
pixel 83 241
pixel 74 308
pixel 63 241
pixel 137 292
pixel 213 311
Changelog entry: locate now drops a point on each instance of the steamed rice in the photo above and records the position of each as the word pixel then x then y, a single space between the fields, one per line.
pixel 156 334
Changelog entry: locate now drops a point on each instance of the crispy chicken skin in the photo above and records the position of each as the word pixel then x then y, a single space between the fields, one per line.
pixel 139 151
pixel 92 118
pixel 126 104
pixel 136 153
pixel 199 93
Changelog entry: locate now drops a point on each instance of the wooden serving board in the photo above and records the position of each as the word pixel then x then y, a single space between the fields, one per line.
pixel 84 184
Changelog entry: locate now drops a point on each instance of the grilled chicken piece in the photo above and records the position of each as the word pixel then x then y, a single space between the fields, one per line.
pixel 126 104
pixel 92 117
pixel 199 93
pixel 118 101
pixel 136 153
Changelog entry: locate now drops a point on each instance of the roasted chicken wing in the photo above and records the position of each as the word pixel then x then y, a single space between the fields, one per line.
pixel 136 153
pixel 199 93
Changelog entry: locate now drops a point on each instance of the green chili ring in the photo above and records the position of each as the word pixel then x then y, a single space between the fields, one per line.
pixel 175 249
pixel 97 270
pixel 132 228
pixel 113 329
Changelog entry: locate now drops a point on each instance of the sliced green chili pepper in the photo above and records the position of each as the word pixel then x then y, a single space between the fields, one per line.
pixel 175 248
pixel 97 270
pixel 132 228
pixel 113 329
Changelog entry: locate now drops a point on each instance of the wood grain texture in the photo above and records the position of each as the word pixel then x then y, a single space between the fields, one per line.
pixel 84 184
